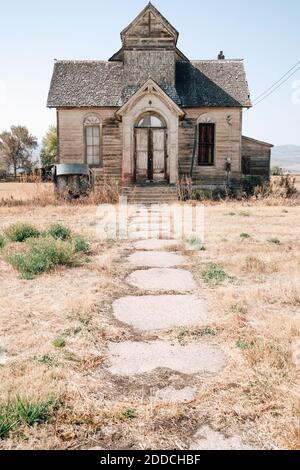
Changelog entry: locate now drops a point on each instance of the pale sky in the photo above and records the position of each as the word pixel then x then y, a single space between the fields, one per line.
pixel 265 33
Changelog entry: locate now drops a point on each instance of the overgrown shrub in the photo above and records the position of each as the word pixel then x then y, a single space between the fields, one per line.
pixel 21 232
pixel 249 185
pixel 188 193
pixel 59 232
pixel 213 194
pixel 276 171
pixel 278 187
pixel 42 255
pixel 80 245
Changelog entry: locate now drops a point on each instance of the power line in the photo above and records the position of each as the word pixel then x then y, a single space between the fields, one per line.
pixel 272 89
pixel 278 81
pixel 282 83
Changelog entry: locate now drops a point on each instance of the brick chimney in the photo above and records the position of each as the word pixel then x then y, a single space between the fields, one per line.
pixel 221 56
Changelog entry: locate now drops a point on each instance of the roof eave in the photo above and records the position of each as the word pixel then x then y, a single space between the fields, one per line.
pixel 261 142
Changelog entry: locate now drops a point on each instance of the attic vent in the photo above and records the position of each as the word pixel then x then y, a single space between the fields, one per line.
pixel 221 56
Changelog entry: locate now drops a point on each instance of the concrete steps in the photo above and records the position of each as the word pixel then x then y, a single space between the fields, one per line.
pixel 151 194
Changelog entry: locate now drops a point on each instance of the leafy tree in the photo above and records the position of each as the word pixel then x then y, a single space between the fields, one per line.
pixel 276 171
pixel 49 150
pixel 16 148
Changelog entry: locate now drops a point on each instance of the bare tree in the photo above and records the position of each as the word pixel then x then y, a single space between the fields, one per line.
pixel 16 148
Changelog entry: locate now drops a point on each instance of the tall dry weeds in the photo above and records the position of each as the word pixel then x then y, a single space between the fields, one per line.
pixel 282 187
pixel 107 191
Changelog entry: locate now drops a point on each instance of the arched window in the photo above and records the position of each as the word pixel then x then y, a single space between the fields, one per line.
pixel 151 120
pixel 92 131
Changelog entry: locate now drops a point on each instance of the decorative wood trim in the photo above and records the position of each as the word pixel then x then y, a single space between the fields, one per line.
pixel 92 119
pixel 205 119
pixel 150 87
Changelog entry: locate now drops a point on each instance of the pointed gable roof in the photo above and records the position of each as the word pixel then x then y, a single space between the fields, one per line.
pixel 149 27
pixel 150 86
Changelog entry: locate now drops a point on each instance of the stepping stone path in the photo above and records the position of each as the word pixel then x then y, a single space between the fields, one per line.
pixel 160 312
pixel 151 312
pixel 174 305
pixel 207 439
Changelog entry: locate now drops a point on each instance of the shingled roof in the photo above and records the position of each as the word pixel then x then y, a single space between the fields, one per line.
pixel 217 83
pixel 212 83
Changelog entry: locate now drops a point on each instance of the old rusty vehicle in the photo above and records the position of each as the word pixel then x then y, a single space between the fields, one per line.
pixel 72 181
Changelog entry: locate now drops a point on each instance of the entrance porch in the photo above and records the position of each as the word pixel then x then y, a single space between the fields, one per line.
pixel 150 120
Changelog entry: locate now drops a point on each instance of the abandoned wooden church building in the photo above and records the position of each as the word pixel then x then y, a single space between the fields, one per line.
pixel 149 115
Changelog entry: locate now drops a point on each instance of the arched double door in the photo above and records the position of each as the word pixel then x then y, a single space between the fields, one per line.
pixel 151 149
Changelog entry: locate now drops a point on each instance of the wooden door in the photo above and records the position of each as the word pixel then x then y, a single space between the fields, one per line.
pixel 141 154
pixel 158 150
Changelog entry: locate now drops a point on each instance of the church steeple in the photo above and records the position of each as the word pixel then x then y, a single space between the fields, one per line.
pixel 149 29
pixel 149 49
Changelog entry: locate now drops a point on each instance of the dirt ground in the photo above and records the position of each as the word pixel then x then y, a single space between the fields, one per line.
pixel 255 317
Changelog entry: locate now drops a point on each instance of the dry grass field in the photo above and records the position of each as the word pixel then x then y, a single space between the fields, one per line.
pixel 25 191
pixel 55 329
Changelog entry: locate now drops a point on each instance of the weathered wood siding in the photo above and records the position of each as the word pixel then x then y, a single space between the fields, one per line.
pixel 72 139
pixel 148 30
pixel 259 155
pixel 228 124
pixel 228 142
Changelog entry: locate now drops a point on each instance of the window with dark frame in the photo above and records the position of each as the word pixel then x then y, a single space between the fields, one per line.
pixel 206 144
pixel 92 142
pixel 246 165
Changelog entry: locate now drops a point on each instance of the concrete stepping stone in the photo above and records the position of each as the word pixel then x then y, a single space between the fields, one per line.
pixel 155 244
pixel 208 439
pixel 163 279
pixel 160 312
pixel 156 259
pixel 133 358
pixel 172 395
